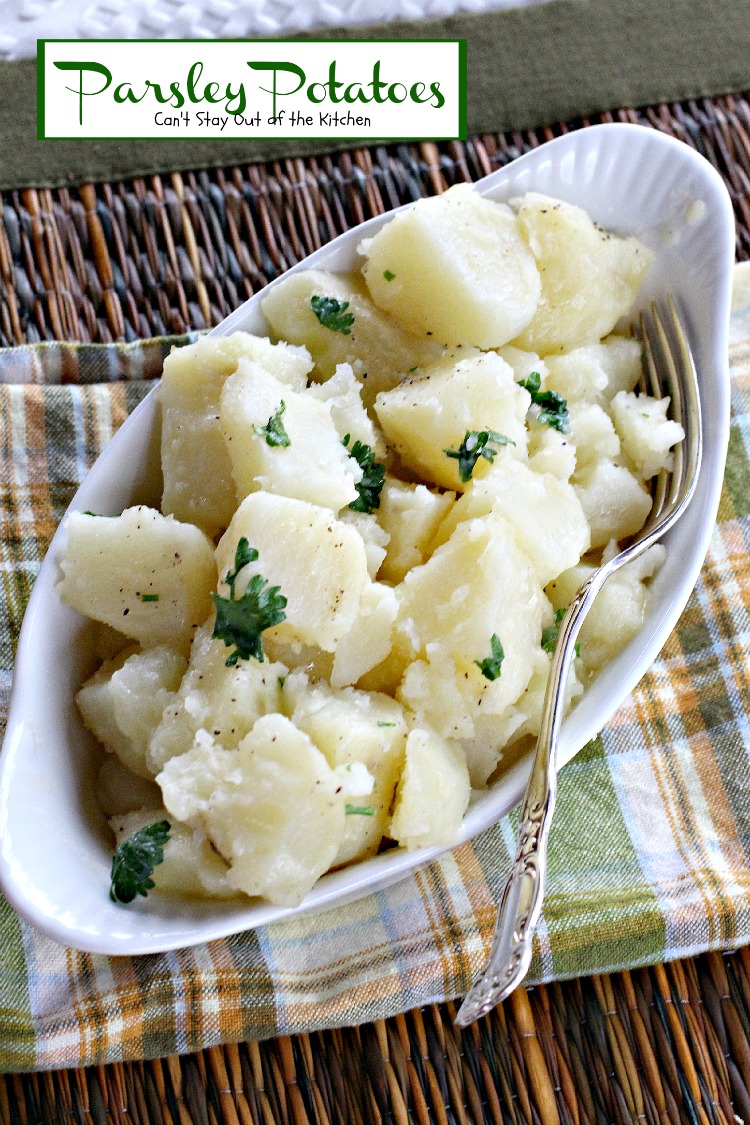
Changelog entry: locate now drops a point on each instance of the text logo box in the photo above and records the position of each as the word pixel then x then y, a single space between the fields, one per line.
pixel 361 89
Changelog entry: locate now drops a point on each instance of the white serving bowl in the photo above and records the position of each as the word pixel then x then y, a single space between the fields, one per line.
pixel 55 848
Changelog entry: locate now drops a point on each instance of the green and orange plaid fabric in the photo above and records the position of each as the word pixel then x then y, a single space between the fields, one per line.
pixel 650 852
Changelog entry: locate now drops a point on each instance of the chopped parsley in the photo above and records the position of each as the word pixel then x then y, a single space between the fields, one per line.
pixel 490 667
pixel 476 444
pixel 274 431
pixel 359 810
pixel 552 632
pixel 240 621
pixel 382 724
pixel 332 314
pixel 553 408
pixel 373 477
pixel 388 275
pixel 149 597
pixel 134 861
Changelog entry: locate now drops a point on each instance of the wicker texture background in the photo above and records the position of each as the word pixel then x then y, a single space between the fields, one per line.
pixel 667 1044
pixel 163 255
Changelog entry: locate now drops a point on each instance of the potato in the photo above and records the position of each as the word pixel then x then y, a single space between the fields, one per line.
pixel 433 793
pixel 143 573
pixel 614 502
pixel 222 700
pixel 410 514
pixel 378 347
pixel 545 514
pixel 454 265
pixel 318 562
pixel 593 435
pixel 197 471
pixel 308 461
pixel 646 433
pixel 270 807
pixel 596 372
pixel 523 363
pixel 373 536
pixel 427 415
pixel 123 703
pixel 617 614
pixel 343 394
pixel 354 728
pixel 369 639
pixel 476 585
pixel 590 278
pixel 551 452
pixel 119 791
pixel 190 867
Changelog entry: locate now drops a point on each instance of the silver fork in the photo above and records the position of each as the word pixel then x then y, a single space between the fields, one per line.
pixel 669 365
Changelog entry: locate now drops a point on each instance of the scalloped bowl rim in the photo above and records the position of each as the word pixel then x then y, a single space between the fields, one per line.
pixel 72 906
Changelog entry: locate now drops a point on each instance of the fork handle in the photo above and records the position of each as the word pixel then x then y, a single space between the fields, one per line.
pixel 521 901
pixel 518 912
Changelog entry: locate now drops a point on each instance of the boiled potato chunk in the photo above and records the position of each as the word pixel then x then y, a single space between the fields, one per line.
pixel 646 433
pixel 307 461
pixel 190 867
pixel 119 791
pixel 593 435
pixel 596 372
pixel 545 514
pixel 343 394
pixel 425 416
pixel 614 502
pixel 146 574
pixel 226 701
pixel 616 616
pixel 197 471
pixel 590 278
pixel 476 585
pixel 369 639
pixel 354 728
pixel 551 452
pixel 454 265
pixel 411 514
pixel 122 703
pixel 318 562
pixel 433 793
pixel 270 808
pixel 374 537
pixel 378 347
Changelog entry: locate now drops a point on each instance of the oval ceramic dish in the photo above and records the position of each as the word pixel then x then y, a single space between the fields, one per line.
pixel 55 848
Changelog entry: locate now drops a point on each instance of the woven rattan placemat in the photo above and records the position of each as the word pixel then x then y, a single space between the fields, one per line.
pixel 666 1044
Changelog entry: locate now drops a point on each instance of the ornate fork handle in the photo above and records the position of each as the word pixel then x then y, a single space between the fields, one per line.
pixel 521 901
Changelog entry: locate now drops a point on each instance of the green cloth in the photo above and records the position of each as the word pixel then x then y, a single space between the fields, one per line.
pixel 527 67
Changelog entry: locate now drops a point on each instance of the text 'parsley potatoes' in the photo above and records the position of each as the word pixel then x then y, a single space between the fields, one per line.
pixel 343 616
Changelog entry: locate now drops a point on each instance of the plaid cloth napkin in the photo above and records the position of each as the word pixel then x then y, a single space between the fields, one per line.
pixel 650 852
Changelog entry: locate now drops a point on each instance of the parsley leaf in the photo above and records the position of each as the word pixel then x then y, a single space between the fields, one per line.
pixel 359 810
pixel 373 477
pixel 332 314
pixel 240 621
pixel 135 859
pixel 476 444
pixel 274 431
pixel 149 597
pixel 552 632
pixel 491 665
pixel 388 275
pixel 553 408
